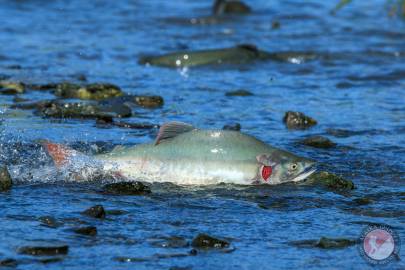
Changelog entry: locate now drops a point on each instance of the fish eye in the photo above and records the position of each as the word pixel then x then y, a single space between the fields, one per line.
pixel 293 166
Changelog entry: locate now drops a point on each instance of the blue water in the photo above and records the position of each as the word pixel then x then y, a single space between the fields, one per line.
pixel 357 84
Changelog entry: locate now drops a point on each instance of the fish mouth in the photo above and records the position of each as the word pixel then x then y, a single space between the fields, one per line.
pixel 307 172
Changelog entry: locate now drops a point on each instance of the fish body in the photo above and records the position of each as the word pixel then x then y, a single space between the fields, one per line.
pixel 184 155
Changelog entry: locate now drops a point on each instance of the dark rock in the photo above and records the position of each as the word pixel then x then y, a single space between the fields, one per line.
pixel 240 54
pixel 130 259
pixel 329 243
pixel 234 127
pixel 8 263
pixel 127 188
pixel 115 212
pixel 292 57
pixel 5 179
pixel 325 243
pixel 90 230
pixel 331 181
pixel 275 25
pixel 318 142
pixel 239 93
pixel 181 268
pixel 230 7
pixel 96 91
pixel 18 99
pixel 40 105
pixel 49 222
pixel 149 101
pixel 171 242
pixel 87 109
pixel 103 122
pixel 51 260
pixel 206 241
pixel 44 251
pixel 11 87
pixel 363 201
pixel 96 211
pixel 193 252
pixel 135 100
pixel 298 120
pixel 44 87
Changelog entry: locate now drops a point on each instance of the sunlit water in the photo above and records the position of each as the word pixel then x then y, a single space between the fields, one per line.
pixel 357 84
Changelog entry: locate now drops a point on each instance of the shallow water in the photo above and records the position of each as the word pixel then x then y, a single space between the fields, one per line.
pixel 354 89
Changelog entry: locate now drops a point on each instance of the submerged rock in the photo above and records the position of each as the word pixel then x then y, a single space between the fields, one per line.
pixel 239 93
pixel 44 251
pixel 90 230
pixel 318 142
pixel 105 122
pixel 331 181
pixel 325 243
pixel 138 100
pixel 221 7
pixel 235 55
pixel 149 101
pixel 234 127
pixel 49 222
pixel 88 109
pixel 205 241
pixel 8 263
pixel 5 179
pixel 298 120
pixel 171 242
pixel 127 188
pixel 363 201
pixel 11 87
pixel 96 211
pixel 328 243
pixel 96 91
pixel 292 57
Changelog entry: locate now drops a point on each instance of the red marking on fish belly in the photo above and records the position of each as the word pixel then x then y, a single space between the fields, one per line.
pixel 266 172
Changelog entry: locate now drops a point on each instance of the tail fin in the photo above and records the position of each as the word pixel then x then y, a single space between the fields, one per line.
pixel 60 154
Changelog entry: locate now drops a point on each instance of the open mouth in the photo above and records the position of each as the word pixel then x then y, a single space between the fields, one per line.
pixel 307 172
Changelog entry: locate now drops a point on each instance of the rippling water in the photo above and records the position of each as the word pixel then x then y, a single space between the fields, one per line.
pixel 355 90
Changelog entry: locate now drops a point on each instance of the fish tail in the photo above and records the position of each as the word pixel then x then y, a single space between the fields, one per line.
pixel 60 154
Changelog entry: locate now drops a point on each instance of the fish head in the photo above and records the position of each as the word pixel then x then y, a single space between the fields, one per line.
pixel 281 167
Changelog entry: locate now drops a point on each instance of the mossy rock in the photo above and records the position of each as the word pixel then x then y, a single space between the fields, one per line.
pixel 96 211
pixel 127 188
pixel 239 93
pixel 205 241
pixel 298 120
pixel 222 7
pixel 149 101
pixel 94 91
pixel 318 142
pixel 5 179
pixel 332 243
pixel 44 251
pixel 83 110
pixel 11 87
pixel 331 181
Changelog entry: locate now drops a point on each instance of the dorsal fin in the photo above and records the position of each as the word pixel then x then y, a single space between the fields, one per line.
pixel 171 130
